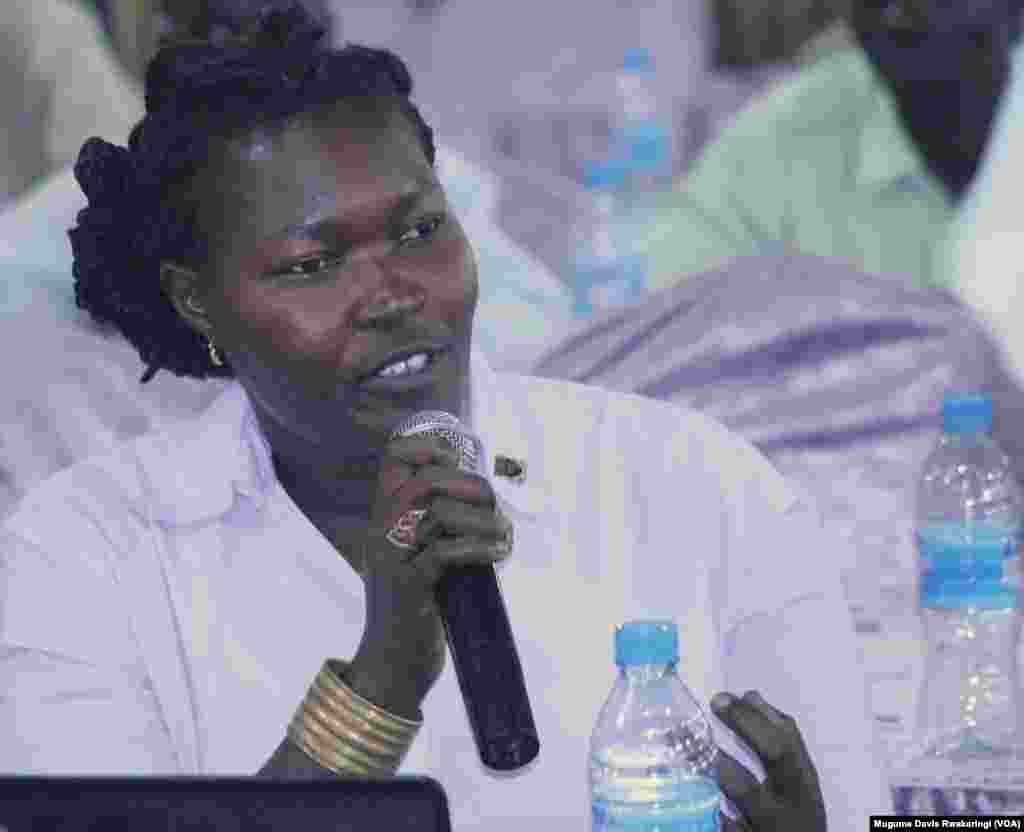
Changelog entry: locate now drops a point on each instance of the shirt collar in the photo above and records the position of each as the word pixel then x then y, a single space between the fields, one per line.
pixel 196 469
pixel 886 152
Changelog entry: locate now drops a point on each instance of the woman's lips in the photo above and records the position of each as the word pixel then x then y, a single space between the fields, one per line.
pixel 435 370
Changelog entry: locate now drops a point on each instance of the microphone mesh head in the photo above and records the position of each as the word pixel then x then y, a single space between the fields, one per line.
pixel 446 426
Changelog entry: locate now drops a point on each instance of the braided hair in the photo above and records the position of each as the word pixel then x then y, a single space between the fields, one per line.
pixel 275 70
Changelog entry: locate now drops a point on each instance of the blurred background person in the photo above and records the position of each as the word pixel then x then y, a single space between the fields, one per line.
pixel 60 86
pixel 861 156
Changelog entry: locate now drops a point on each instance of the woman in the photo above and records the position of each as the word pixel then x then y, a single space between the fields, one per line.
pixel 276 220
pixel 82 396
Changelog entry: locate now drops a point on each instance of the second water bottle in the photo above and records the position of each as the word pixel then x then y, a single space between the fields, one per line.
pixel 968 527
pixel 652 754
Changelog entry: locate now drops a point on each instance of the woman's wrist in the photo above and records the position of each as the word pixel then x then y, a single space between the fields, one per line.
pixel 347 733
pixel 385 679
pixel 396 665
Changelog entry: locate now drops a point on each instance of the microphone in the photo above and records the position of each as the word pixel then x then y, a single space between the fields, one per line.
pixel 479 636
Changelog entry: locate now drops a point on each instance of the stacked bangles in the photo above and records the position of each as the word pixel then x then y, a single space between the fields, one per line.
pixel 345 733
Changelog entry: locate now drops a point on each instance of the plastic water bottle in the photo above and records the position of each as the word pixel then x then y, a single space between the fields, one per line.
pixel 968 522
pixel 607 270
pixel 642 137
pixel 652 755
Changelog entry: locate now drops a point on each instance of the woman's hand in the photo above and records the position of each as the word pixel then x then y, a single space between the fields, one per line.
pixel 790 798
pixel 402 652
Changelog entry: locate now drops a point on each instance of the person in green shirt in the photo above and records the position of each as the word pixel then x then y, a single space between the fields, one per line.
pixel 861 156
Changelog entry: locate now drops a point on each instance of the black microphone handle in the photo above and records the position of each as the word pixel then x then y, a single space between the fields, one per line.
pixel 487 666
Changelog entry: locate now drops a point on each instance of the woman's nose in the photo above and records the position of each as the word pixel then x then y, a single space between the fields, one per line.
pixel 386 310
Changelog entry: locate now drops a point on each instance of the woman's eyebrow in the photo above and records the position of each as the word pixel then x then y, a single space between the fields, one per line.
pixel 401 207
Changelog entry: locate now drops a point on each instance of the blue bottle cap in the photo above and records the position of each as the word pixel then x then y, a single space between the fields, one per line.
pixel 637 59
pixel 647 642
pixel 608 173
pixel 967 413
pixel 605 173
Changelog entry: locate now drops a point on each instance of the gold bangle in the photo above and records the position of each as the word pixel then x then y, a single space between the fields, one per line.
pixel 320 736
pixel 332 759
pixel 333 674
pixel 332 689
pixel 346 728
pixel 334 755
pixel 394 730
pixel 345 733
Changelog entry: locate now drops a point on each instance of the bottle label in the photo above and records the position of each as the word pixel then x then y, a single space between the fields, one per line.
pixel 691 805
pixel 967 566
pixel 707 820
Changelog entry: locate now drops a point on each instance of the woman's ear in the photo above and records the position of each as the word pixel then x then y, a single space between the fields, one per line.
pixel 182 288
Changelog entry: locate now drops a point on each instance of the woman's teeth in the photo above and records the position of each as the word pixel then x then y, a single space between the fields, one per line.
pixel 412 364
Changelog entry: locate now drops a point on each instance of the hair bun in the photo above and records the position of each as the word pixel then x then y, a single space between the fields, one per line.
pixel 399 73
pixel 290 28
pixel 282 41
pixel 103 171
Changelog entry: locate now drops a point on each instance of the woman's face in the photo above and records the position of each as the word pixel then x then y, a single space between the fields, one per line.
pixel 333 252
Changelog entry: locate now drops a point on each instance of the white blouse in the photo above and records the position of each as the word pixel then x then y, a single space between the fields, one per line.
pixel 164 607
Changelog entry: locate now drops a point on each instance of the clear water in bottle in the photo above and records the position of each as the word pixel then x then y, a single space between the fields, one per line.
pixel 968 523
pixel 652 754
pixel 971 627
pixel 968 527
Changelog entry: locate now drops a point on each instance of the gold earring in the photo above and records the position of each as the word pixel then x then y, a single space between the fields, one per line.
pixel 214 355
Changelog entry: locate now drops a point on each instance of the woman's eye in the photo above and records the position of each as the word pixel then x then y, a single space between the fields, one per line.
pixel 423 230
pixel 309 265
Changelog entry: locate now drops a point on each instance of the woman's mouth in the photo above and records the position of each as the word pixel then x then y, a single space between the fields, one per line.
pixel 412 373
pixel 411 365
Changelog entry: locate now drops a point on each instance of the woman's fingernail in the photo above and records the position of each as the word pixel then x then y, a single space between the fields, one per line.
pixel 721 701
